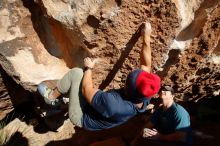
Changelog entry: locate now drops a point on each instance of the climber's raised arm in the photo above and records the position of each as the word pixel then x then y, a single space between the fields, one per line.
pixel 88 89
pixel 145 55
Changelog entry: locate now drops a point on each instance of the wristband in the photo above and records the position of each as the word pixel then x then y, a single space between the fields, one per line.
pixel 87 68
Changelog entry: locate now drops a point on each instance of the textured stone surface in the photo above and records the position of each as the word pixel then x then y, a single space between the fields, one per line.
pixel 5 101
pixel 11 95
pixel 43 32
pixel 110 31
pixel 42 39
pixel 196 74
pixel 22 53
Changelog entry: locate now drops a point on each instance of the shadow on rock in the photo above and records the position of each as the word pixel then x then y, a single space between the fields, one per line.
pixel 83 137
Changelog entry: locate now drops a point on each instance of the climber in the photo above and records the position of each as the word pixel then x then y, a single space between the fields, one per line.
pixel 169 124
pixel 94 109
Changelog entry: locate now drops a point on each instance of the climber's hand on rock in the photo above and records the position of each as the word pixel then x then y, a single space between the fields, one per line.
pixel 146 31
pixel 88 62
pixel 150 134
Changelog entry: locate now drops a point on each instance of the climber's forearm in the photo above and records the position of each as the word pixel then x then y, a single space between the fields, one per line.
pixel 145 55
pixel 88 89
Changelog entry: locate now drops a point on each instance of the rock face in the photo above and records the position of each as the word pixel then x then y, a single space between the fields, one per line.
pixel 42 39
pixel 11 95
pixel 23 55
pixel 5 102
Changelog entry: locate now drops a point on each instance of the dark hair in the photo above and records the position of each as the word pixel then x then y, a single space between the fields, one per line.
pixel 167 88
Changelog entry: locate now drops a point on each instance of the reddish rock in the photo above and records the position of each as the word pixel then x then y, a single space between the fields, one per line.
pixel 42 39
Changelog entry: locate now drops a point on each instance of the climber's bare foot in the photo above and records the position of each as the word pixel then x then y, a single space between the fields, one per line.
pixel 146 31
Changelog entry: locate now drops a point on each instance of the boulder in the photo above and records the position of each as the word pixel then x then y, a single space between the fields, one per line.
pixel 43 39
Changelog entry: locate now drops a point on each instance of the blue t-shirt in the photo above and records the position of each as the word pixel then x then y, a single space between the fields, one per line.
pixel 109 109
pixel 175 118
